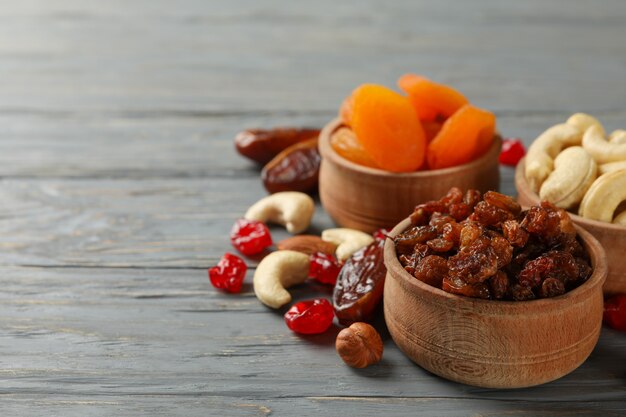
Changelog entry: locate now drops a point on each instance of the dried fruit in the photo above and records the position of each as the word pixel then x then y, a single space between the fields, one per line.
pixel 310 317
pixel 615 312
pixel 386 125
pixel 465 136
pixel 250 237
pixel 229 273
pixel 345 110
pixel 308 244
pixel 359 345
pixel 432 101
pixel 262 145
pixel 324 268
pixel 345 143
pixel 294 169
pixel 497 252
pixel 512 151
pixel 359 287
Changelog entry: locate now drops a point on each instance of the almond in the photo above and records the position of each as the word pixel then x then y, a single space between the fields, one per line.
pixel 307 244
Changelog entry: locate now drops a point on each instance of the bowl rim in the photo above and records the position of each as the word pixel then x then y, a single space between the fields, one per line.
pixel 480 306
pixel 327 151
pixel 521 184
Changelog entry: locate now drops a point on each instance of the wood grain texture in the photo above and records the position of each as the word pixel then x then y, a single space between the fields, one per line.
pixel 119 183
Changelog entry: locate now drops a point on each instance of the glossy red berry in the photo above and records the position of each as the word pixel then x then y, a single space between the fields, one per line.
pixel 512 151
pixel 615 312
pixel 324 268
pixel 310 317
pixel 250 237
pixel 229 273
pixel 380 234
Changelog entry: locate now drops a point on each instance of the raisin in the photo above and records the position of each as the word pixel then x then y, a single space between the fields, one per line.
pixel 584 269
pixel 499 285
pixel 471 198
pixel 310 317
pixel 469 233
pixel 456 285
pixel 406 241
pixel 431 270
pixel 502 249
pixel 452 232
pixel 422 250
pixel 250 237
pixel 359 287
pixel 440 245
pixel 419 217
pixel 228 274
pixel 551 287
pixel 514 233
pixel 454 196
pixel 489 215
pixel 521 293
pixel 460 211
pixel 503 202
pixel 438 221
pixel 555 264
pixel 476 263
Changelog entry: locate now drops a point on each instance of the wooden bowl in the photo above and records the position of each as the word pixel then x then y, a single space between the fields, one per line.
pixel 367 199
pixel 494 344
pixel 611 236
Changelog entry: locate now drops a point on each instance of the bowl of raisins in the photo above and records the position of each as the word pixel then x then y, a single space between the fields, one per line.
pixel 486 293
pixel 611 236
pixel 367 198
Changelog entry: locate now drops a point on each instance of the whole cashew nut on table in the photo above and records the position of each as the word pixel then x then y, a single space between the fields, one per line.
pixel 276 272
pixel 291 209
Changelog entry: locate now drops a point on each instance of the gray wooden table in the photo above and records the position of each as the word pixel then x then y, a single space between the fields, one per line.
pixel 119 184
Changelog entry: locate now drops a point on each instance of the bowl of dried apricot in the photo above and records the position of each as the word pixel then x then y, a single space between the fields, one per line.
pixel 495 297
pixel 578 167
pixel 388 151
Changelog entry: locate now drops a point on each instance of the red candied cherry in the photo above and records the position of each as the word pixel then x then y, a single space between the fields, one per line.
pixel 512 151
pixel 310 317
pixel 250 237
pixel 229 273
pixel 324 268
pixel 380 234
pixel 615 312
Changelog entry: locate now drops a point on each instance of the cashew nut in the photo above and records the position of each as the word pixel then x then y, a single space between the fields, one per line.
pixel 277 271
pixel 603 197
pixel 574 172
pixel 618 136
pixel 611 166
pixel 620 219
pixel 541 154
pixel 583 121
pixel 347 240
pixel 600 149
pixel 291 209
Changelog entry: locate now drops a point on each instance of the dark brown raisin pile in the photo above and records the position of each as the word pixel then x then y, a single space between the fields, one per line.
pixel 485 246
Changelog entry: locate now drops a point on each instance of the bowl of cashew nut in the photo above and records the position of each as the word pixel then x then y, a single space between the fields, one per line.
pixel 578 167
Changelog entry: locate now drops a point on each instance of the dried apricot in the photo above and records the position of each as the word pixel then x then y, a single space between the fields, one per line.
pixel 431 100
pixel 345 111
pixel 386 125
pixel 462 138
pixel 345 143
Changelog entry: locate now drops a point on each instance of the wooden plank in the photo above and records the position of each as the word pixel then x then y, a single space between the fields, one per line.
pixel 98 334
pixel 84 56
pixel 170 222
pixel 123 147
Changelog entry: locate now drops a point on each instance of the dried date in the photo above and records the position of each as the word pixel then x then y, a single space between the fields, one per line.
pixel 294 169
pixel 359 287
pixel 262 145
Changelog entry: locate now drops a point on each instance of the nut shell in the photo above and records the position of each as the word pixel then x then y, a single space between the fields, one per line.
pixel 359 345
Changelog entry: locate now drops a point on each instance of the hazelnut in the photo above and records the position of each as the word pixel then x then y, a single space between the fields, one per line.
pixel 359 345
